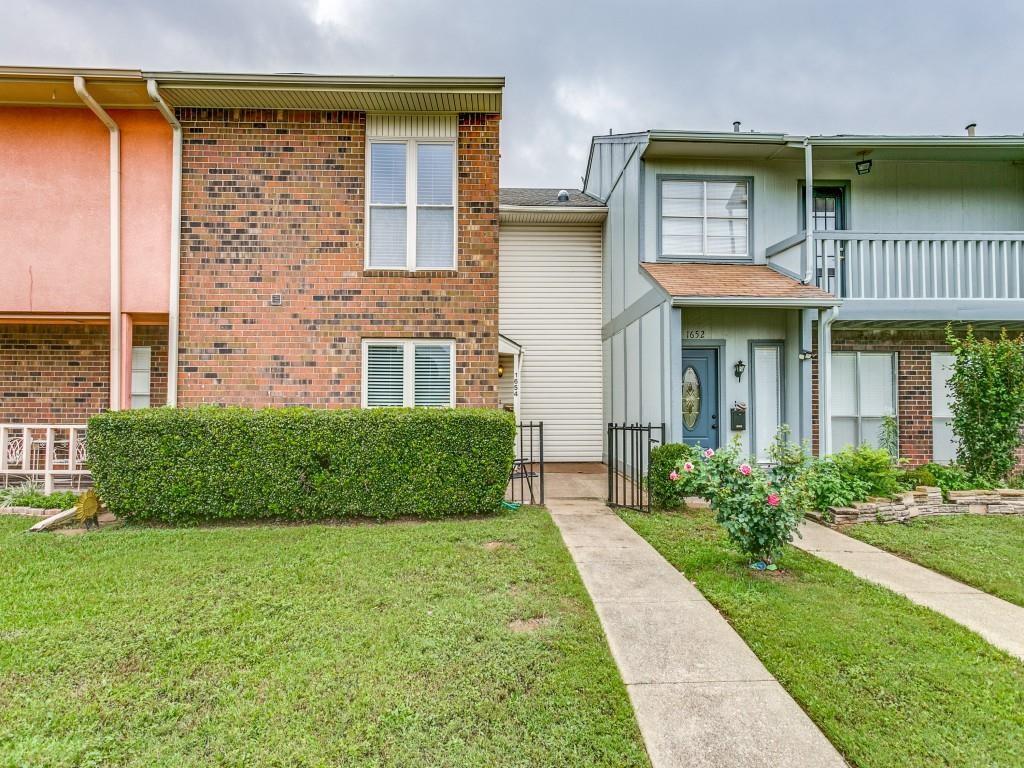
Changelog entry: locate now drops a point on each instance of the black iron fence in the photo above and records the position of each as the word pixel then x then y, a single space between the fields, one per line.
pixel 629 458
pixel 526 483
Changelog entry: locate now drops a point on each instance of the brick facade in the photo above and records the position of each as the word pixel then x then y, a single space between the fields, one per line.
pixel 60 374
pixel 273 203
pixel 914 350
pixel 53 373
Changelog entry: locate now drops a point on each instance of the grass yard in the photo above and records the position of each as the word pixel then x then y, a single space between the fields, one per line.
pixel 457 643
pixel 891 684
pixel 985 551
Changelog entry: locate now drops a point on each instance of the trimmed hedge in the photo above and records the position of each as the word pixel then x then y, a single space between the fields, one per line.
pixel 183 466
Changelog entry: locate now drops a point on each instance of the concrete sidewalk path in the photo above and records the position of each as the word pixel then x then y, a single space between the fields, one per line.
pixel 701 696
pixel 996 620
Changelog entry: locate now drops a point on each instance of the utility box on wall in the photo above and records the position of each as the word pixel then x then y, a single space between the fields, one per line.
pixel 738 417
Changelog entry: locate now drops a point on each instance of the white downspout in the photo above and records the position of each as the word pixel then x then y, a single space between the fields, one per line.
pixel 808 254
pixel 175 276
pixel 825 320
pixel 116 363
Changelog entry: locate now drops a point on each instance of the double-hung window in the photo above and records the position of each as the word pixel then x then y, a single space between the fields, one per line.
pixel 411 204
pixel 863 392
pixel 409 373
pixel 705 219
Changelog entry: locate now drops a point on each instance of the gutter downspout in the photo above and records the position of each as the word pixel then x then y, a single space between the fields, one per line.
pixel 825 320
pixel 116 362
pixel 175 277
pixel 807 259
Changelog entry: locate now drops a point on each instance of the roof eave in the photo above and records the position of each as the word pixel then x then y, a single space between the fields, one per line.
pixel 756 301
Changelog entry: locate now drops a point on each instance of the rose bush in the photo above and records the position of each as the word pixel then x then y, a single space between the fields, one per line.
pixel 759 517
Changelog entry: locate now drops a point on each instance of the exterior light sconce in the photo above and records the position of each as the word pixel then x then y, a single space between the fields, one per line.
pixel 863 166
pixel 738 369
pixel 806 354
pixel 501 370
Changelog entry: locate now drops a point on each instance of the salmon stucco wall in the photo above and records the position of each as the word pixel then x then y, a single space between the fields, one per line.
pixel 55 198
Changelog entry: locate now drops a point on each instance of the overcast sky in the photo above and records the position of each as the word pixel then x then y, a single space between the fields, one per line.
pixel 576 69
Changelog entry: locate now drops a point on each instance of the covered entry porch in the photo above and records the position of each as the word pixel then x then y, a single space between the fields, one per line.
pixel 725 353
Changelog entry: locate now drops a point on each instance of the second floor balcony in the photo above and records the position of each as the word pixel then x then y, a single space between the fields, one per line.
pixel 912 275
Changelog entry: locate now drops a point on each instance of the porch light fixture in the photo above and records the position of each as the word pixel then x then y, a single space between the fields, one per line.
pixel 501 370
pixel 863 167
pixel 738 369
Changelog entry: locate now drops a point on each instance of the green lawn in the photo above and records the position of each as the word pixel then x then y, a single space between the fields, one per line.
pixel 357 645
pixel 891 684
pixel 985 551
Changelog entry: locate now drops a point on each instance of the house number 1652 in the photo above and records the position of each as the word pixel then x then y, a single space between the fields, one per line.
pixel 694 334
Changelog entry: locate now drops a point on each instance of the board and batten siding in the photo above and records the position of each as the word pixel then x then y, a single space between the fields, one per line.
pixel 550 303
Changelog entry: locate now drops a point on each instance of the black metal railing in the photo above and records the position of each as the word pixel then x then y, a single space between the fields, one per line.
pixel 629 458
pixel 526 483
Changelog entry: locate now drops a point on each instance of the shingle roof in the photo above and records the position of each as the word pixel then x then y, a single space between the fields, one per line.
pixel 544 196
pixel 734 281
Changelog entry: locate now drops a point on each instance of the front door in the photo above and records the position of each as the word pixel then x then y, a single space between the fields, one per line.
pixel 700 397
pixel 829 215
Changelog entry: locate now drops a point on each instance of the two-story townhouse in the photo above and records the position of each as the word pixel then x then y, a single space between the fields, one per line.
pixel 725 314
pixel 188 238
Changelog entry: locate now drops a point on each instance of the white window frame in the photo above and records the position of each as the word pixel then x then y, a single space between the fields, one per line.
pixel 409 367
pixel 148 393
pixel 411 202
pixel 704 180
pixel 860 417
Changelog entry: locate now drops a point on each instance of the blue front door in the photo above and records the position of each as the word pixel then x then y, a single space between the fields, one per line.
pixel 700 397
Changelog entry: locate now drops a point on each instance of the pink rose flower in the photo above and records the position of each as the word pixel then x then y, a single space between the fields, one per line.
pixel 688 466
pixel 744 469
pixel 709 453
pixel 773 499
pixel 673 475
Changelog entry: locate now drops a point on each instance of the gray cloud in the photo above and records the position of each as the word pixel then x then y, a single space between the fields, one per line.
pixel 576 69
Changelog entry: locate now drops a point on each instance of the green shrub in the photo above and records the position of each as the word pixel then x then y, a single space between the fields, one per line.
pixel 30 495
pixel 183 466
pixel 759 517
pixel 953 477
pixel 987 401
pixel 665 492
pixel 922 475
pixel 871 466
pixel 829 486
pixel 789 460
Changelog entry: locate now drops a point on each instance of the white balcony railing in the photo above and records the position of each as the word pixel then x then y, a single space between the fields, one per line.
pixel 54 454
pixel 911 265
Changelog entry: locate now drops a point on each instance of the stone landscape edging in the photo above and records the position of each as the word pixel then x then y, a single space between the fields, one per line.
pixel 927 501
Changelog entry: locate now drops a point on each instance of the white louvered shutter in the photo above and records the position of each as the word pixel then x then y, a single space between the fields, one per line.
pixel 385 378
pixel 433 379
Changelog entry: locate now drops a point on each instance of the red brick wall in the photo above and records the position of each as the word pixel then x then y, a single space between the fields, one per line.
pixel 914 349
pixel 276 206
pixel 53 373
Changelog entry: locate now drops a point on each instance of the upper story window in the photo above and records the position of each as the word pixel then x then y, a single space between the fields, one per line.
pixel 411 204
pixel 705 218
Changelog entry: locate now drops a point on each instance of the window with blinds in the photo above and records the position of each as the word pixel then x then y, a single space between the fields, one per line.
pixel 411 205
pixel 705 218
pixel 863 391
pixel 408 373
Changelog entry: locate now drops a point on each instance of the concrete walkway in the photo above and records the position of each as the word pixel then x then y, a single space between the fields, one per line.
pixel 701 696
pixel 996 620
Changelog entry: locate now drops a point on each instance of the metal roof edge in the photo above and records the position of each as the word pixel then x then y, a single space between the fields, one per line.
pixel 297 80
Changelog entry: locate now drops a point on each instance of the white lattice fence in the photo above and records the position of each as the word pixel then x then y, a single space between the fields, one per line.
pixel 54 454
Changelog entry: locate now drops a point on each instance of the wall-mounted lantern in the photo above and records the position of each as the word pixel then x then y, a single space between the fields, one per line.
pixel 738 369
pixel 501 370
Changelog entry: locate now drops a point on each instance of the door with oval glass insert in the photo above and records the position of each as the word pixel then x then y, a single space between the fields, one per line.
pixel 700 397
